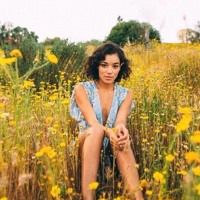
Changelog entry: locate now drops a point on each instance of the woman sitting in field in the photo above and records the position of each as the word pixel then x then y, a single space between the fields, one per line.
pixel 101 108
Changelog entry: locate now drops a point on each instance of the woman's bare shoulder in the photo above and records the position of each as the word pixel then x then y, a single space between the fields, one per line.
pixel 83 89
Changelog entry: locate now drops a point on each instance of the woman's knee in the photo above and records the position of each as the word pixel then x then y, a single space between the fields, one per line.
pixel 96 132
pixel 91 133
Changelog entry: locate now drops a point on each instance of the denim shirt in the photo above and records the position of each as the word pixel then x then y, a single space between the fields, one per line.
pixel 92 92
pixel 93 95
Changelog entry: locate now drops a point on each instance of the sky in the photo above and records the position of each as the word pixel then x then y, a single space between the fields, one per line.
pixel 83 20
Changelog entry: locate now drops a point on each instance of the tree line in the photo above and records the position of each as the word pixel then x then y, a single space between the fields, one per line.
pixel 71 55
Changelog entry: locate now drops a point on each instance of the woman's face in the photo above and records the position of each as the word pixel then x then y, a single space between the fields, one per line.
pixel 109 68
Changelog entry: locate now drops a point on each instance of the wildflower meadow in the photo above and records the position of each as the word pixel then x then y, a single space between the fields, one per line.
pixel 38 139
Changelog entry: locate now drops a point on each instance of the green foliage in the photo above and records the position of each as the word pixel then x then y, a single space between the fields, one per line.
pixel 188 35
pixel 12 37
pixel 20 38
pixel 29 48
pixel 132 32
pixel 91 42
pixel 71 57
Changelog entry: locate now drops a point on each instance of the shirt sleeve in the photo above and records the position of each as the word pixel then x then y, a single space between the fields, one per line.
pixel 122 95
pixel 75 111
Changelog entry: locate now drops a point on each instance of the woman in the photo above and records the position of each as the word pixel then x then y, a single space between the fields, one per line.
pixel 101 108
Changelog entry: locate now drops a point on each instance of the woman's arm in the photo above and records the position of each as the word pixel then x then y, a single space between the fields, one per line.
pixel 120 137
pixel 121 121
pixel 84 105
pixel 124 110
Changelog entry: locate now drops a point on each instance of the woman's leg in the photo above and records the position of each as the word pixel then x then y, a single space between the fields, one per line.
pixel 127 167
pixel 90 147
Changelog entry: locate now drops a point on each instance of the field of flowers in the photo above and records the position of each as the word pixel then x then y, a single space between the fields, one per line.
pixel 38 140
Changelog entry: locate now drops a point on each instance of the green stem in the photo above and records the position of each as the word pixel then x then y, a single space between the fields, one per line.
pixel 34 69
pixel 167 163
pixel 8 73
pixel 16 69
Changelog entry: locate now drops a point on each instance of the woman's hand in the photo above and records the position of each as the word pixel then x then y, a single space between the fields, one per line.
pixel 123 136
pixel 111 133
pixel 119 136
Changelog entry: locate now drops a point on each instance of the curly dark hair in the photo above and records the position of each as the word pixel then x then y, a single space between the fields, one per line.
pixel 99 55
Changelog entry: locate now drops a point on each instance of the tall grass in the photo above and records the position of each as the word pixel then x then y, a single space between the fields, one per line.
pixel 38 140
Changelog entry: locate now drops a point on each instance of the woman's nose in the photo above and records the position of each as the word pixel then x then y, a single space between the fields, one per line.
pixel 110 69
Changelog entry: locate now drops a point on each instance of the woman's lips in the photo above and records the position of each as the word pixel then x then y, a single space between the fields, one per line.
pixel 108 77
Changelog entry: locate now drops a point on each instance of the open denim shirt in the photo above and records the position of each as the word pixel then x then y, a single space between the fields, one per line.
pixel 93 95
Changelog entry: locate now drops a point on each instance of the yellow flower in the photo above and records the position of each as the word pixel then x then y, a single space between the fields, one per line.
pixel 7 61
pixel 146 169
pixel 2 105
pixel 145 117
pixel 118 198
pixel 16 53
pixel 197 188
pixel 144 140
pixel 54 97
pixel 149 192
pixel 3 198
pixel 28 84
pixel 184 123
pixel 55 191
pixel 49 120
pixel 196 171
pixel 52 58
pixel 143 183
pixel 195 137
pixel 169 157
pixel 2 54
pixel 192 156
pixel 12 123
pixel 157 131
pixel 182 172
pixel 65 101
pixel 51 154
pixel 62 144
pixel 39 154
pixel 93 185
pixel 45 149
pixel 185 110
pixel 159 177
pixel 49 151
pixel 69 190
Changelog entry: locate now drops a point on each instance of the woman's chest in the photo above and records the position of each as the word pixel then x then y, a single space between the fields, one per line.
pixel 106 101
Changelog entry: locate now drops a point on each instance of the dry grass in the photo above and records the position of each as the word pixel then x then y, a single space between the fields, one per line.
pixel 38 140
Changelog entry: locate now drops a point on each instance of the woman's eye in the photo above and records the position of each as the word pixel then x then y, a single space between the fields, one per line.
pixel 103 64
pixel 116 66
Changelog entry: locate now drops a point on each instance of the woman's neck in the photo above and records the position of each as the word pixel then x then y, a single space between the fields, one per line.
pixel 104 86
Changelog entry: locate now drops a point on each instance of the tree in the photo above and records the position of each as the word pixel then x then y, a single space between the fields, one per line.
pixel 132 32
pixel 188 35
pixel 22 39
pixel 29 48
pixel 198 26
pixel 12 37
pixel 71 58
